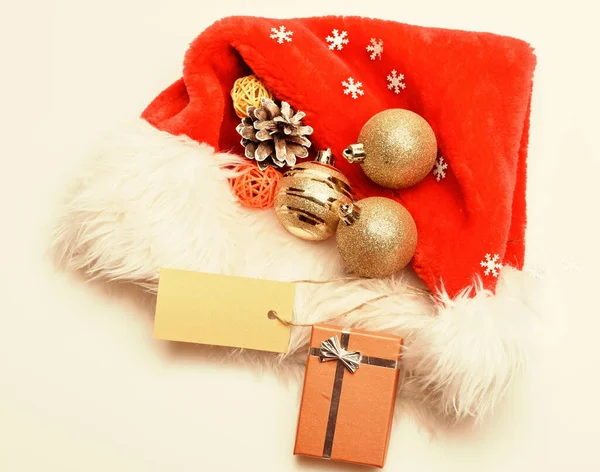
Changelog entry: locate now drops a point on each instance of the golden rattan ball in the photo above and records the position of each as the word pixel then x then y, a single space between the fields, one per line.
pixel 248 91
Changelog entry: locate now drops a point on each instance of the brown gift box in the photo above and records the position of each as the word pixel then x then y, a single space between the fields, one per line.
pixel 347 415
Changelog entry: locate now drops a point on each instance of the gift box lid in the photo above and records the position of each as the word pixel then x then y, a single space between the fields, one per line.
pixel 369 343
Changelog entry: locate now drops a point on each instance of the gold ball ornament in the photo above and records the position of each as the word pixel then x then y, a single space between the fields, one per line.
pixel 376 237
pixel 396 148
pixel 306 199
pixel 248 92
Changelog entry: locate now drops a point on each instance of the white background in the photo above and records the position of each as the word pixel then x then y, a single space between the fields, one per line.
pixel 84 387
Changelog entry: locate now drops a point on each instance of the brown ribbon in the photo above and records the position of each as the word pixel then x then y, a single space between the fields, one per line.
pixel 337 387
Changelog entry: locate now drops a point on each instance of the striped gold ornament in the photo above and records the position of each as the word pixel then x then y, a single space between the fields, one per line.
pixel 308 196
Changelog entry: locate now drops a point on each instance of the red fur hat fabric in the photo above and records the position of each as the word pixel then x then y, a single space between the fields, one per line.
pixel 473 88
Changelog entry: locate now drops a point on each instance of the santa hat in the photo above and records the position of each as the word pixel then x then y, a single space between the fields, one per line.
pixel 158 195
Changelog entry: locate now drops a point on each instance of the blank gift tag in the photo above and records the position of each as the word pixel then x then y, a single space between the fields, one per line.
pixel 223 310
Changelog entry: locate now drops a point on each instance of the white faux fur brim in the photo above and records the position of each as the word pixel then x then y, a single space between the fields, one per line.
pixel 150 200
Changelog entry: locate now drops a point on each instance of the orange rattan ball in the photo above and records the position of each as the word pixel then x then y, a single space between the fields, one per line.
pixel 255 188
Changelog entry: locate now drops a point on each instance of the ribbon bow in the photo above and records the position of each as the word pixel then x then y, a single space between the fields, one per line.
pixel 331 350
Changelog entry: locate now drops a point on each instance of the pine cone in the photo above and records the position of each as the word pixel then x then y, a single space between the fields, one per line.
pixel 273 135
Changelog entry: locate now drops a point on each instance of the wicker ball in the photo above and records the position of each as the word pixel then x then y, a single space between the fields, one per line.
pixel 255 188
pixel 248 91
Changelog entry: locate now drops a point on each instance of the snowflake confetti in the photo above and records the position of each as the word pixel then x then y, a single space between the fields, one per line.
pixel 491 264
pixel 337 40
pixel 395 81
pixel 352 88
pixel 375 48
pixel 439 169
pixel 281 34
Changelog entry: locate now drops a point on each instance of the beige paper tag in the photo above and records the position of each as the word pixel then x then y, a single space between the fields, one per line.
pixel 223 310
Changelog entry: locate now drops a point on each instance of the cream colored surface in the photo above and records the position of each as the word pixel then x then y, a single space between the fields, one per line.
pixel 223 310
pixel 85 387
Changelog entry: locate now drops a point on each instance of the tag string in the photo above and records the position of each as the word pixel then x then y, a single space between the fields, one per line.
pixel 272 314
pixel 415 290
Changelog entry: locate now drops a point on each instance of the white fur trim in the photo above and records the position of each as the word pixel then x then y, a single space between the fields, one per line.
pixel 467 355
pixel 151 200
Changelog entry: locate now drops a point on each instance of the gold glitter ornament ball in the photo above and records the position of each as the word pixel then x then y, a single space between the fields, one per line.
pixel 376 237
pixel 307 195
pixel 396 148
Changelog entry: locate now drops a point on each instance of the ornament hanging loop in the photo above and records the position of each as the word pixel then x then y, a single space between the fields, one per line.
pixel 349 213
pixel 325 157
pixel 355 153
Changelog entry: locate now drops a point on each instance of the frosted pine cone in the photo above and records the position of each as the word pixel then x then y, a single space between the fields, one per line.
pixel 273 135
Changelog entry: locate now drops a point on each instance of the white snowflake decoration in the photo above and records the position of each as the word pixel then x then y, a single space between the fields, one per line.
pixel 337 40
pixel 375 48
pixel 439 169
pixel 352 88
pixel 281 34
pixel 395 81
pixel 491 264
